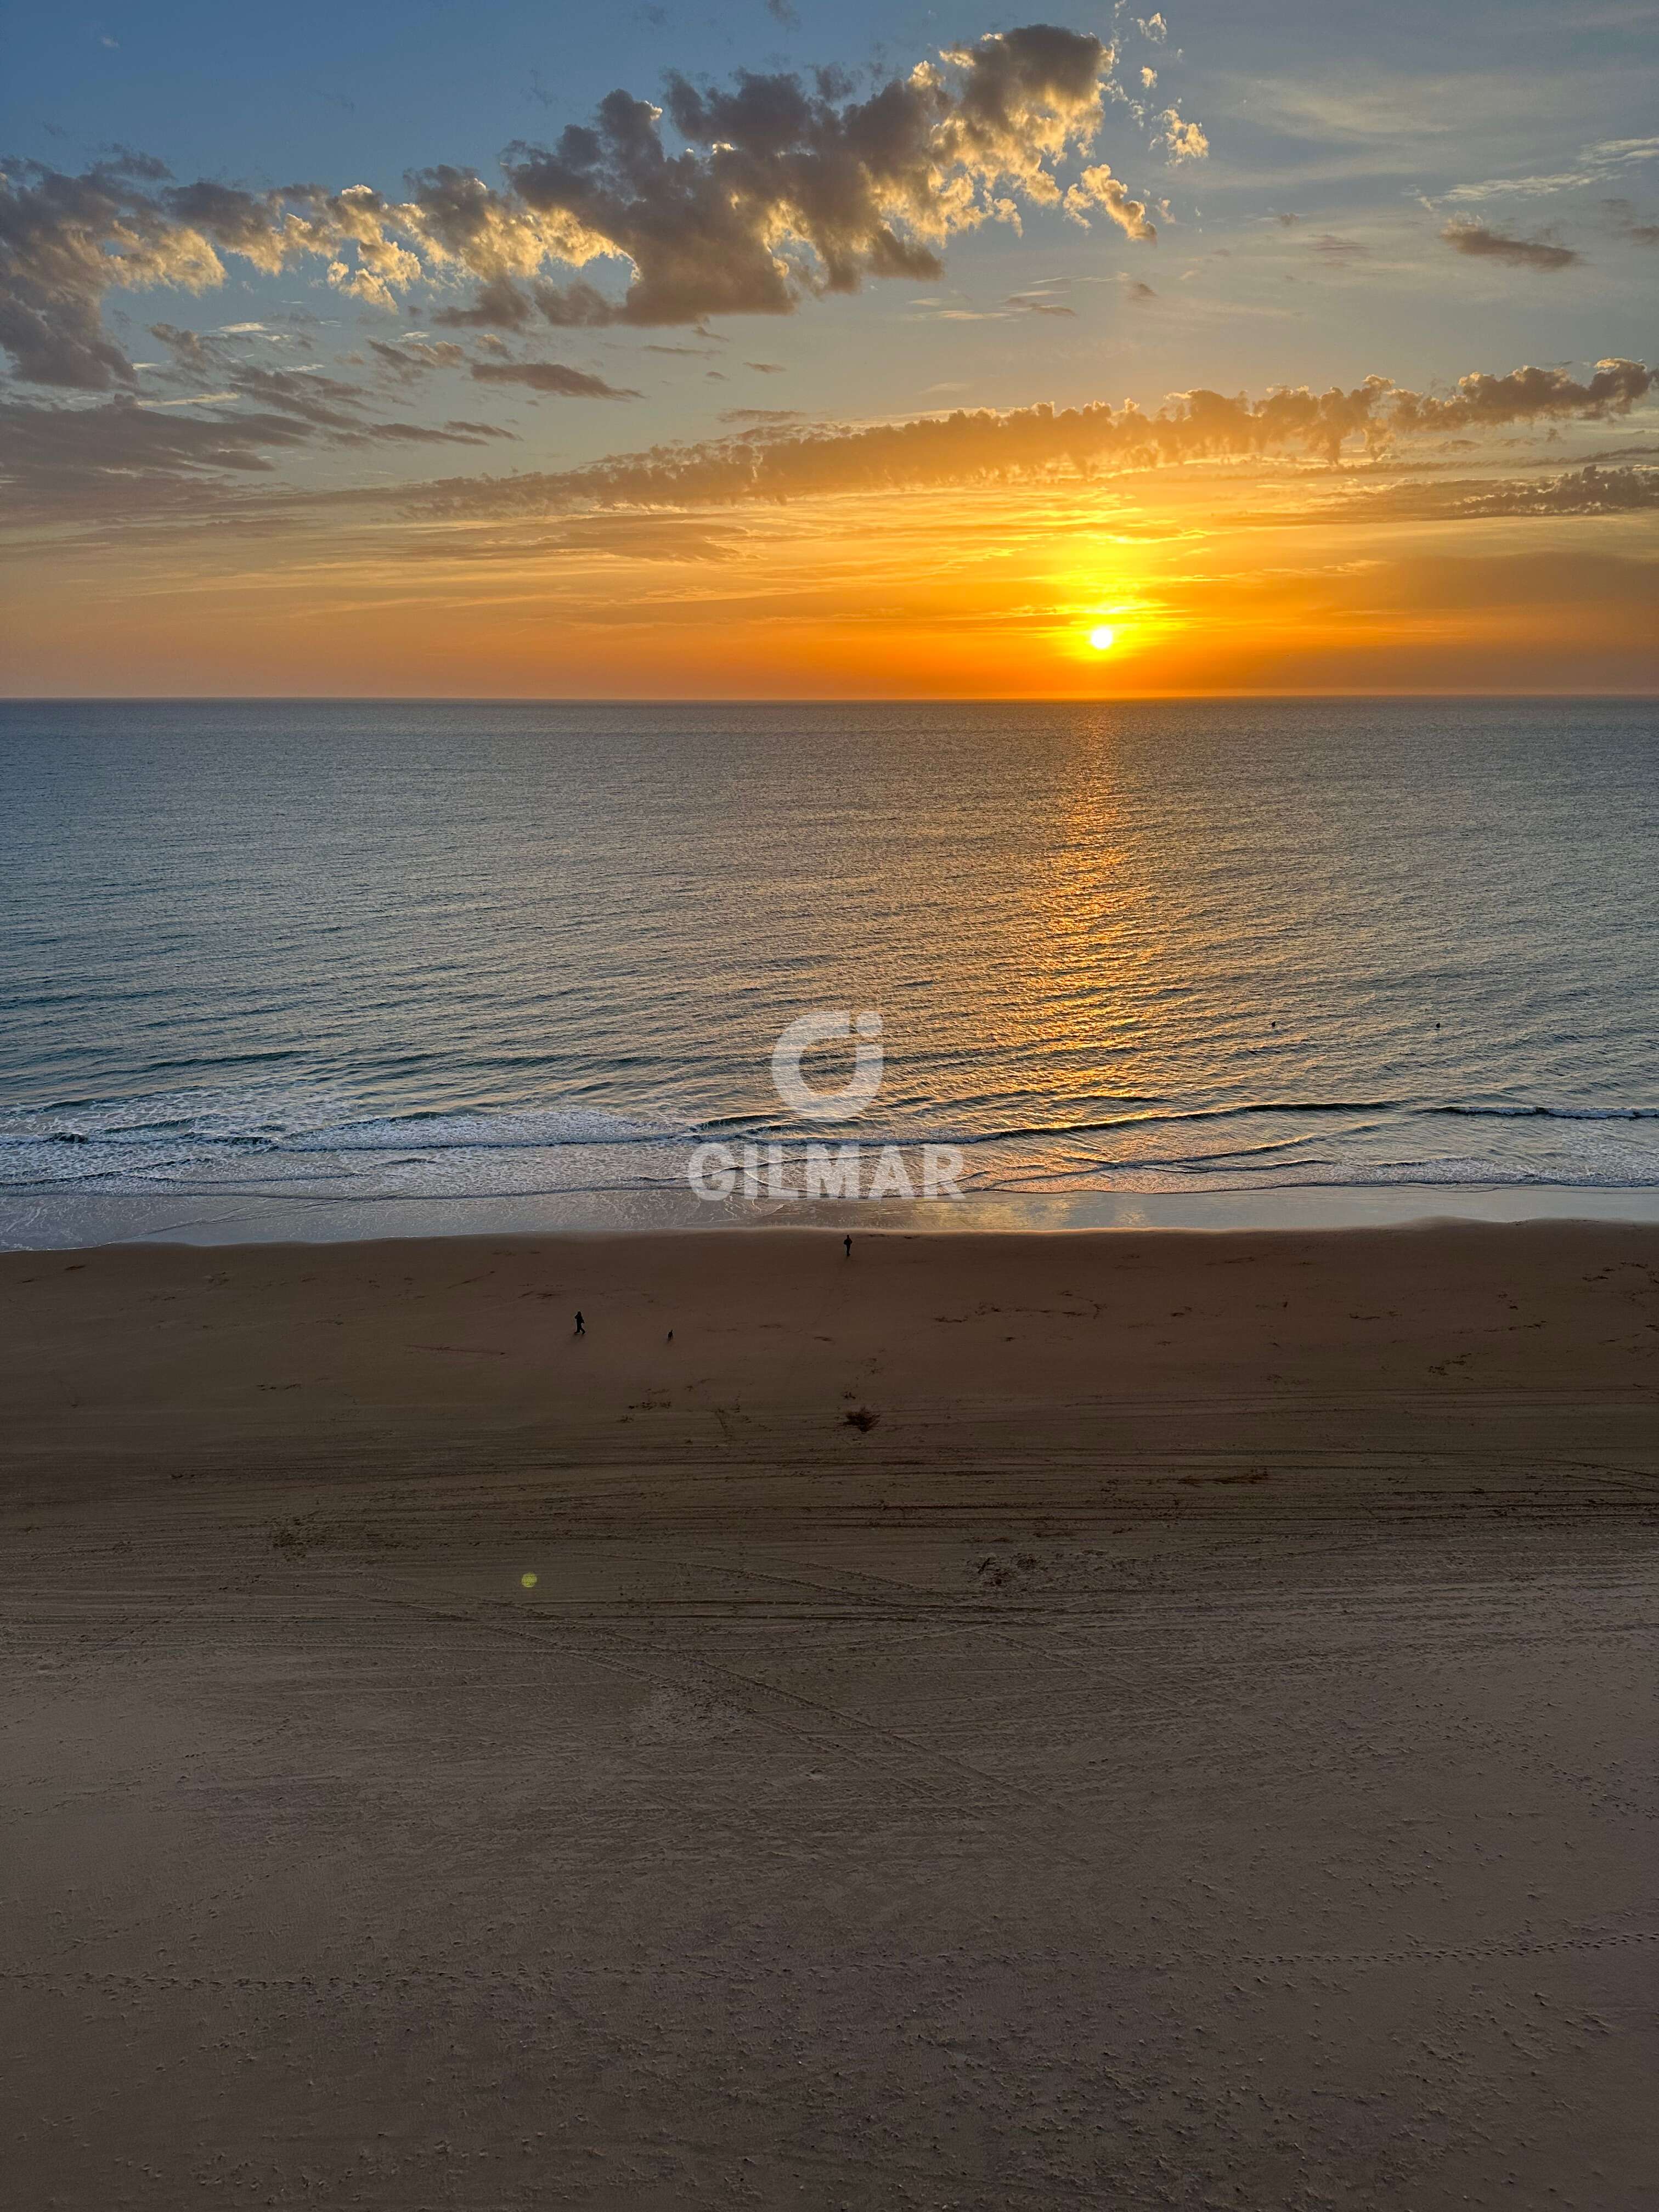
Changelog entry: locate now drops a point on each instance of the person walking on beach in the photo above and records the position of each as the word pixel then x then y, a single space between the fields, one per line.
pixel 580 1330
pixel 846 1245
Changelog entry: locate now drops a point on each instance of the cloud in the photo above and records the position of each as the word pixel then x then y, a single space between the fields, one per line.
pixel 417 357
pixel 64 242
pixel 499 305
pixel 1186 141
pixel 326 402
pixel 133 459
pixel 1590 490
pixel 1465 235
pixel 983 447
pixel 60 462
pixel 615 537
pixel 779 192
pixel 1483 401
pixel 785 193
pixel 191 400
pixel 1594 164
pixel 417 433
pixel 1621 219
pixel 551 377
pixel 1098 188
pixel 187 347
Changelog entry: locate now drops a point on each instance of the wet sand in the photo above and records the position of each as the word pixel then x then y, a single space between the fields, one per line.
pixel 1109 1720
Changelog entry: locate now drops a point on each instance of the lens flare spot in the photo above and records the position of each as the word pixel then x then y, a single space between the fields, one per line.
pixel 1102 639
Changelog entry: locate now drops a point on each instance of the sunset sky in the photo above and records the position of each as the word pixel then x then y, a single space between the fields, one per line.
pixel 775 349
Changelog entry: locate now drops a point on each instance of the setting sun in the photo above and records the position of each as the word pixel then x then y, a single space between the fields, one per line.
pixel 1101 639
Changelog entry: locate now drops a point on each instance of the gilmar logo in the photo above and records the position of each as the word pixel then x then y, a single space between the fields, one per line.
pixel 841 1105
pixel 825 1171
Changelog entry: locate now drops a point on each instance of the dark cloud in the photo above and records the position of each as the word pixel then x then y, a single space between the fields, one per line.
pixel 186 347
pixel 1621 219
pixel 55 271
pixel 326 402
pixel 498 305
pixel 414 434
pixel 62 463
pixel 124 458
pixel 1337 249
pixel 550 376
pixel 417 357
pixel 1465 234
pixel 784 190
pixel 1483 401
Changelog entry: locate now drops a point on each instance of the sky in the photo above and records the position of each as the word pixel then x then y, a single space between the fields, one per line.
pixel 800 350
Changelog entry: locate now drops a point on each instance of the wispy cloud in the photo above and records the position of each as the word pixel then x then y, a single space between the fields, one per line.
pixel 551 378
pixel 1594 164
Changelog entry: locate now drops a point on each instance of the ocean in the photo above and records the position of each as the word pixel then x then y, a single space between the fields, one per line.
pixel 320 969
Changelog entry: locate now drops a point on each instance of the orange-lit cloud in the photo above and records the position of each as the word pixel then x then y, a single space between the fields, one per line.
pixel 1213 577
pixel 975 446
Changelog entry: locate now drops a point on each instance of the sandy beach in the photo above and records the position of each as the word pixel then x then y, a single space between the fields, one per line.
pixel 1104 1720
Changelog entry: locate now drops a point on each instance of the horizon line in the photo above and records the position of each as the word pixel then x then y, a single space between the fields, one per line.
pixel 789 699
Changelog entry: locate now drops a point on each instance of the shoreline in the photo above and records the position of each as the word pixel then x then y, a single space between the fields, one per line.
pixel 56 1221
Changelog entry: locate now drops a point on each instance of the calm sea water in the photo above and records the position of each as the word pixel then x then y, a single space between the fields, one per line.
pixel 334 952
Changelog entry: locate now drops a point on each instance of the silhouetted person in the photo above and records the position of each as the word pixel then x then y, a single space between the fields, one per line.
pixel 580 1330
pixel 670 1336
pixel 847 1246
